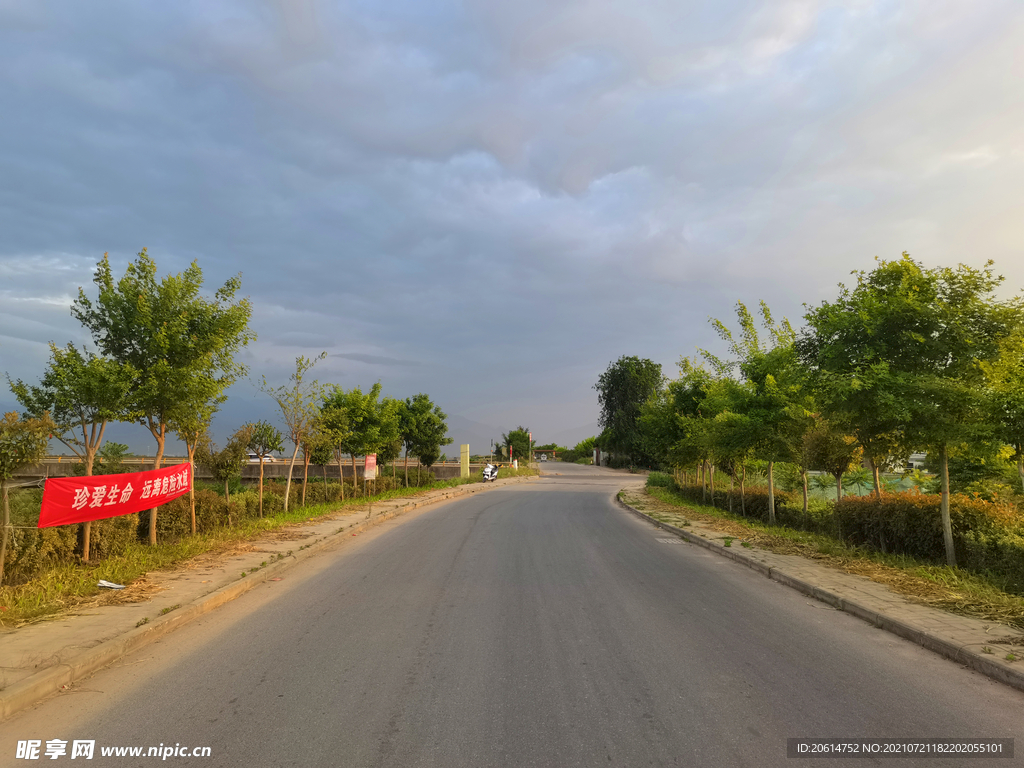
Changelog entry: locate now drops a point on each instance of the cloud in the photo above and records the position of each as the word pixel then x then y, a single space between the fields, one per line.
pixel 504 192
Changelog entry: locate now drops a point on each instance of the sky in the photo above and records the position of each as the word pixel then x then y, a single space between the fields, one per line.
pixel 490 202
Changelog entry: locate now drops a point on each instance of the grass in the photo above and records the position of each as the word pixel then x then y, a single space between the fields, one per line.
pixel 67 586
pixel 952 589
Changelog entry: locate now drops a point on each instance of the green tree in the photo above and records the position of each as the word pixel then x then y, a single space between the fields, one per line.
pixel 82 393
pixel 967 326
pixel 926 334
pixel 264 439
pixel 516 443
pixel 227 463
pixel 191 423
pixel 316 448
pixel 863 352
pixel 23 441
pixel 299 404
pixel 833 451
pixel 1004 386
pixel 372 423
pixel 424 430
pixel 335 432
pixel 777 405
pixel 180 344
pixel 622 391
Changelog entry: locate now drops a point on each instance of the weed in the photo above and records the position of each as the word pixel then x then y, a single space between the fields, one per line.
pixel 728 541
pixel 986 649
pixel 140 622
pixel 169 608
pixel 1010 657
pixel 746 544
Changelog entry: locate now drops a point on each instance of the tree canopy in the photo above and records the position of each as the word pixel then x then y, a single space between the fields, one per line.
pixel 622 390
pixel 180 344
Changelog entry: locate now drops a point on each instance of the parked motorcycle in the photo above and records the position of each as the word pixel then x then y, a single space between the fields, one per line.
pixel 490 473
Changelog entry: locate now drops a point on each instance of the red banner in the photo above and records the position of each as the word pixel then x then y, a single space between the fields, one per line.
pixel 370 467
pixel 68 500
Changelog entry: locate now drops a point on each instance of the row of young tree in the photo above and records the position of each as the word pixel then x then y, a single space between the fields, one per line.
pixel 908 359
pixel 164 357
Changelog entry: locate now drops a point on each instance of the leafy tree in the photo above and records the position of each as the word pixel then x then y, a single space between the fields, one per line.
pixel 264 439
pixel 299 404
pixel 110 458
pixel 335 431
pixel 864 351
pixel 516 443
pixel 622 391
pixel 1004 386
pixel 23 441
pixel 424 430
pixel 227 463
pixel 776 408
pixel 967 325
pixel 833 451
pixel 316 448
pixel 912 344
pixel 191 424
pixel 81 392
pixel 372 423
pixel 180 344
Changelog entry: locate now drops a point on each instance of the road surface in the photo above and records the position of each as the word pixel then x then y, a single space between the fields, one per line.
pixel 538 625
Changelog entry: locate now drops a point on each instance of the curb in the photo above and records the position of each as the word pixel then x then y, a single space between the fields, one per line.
pixel 951 651
pixel 42 684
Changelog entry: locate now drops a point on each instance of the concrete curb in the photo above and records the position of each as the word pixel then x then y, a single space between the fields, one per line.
pixel 950 650
pixel 39 686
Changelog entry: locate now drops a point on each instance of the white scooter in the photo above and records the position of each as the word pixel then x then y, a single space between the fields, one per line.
pixel 490 473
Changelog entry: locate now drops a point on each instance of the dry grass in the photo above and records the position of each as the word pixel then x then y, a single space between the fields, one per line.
pixel 65 587
pixel 950 589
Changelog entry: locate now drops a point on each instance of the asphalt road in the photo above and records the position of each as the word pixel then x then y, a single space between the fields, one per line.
pixel 539 625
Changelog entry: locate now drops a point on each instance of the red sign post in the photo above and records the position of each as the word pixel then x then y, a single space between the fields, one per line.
pixel 68 500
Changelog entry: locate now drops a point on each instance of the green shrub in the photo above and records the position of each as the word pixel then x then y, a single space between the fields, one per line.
pixel 909 523
pixel 1001 554
pixel 660 480
pixel 174 519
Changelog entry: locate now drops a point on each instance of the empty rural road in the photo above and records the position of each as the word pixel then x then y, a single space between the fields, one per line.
pixel 538 625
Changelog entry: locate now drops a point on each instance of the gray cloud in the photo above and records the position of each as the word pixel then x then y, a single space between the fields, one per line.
pixel 514 194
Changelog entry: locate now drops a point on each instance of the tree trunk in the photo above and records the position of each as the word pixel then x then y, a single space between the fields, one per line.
pixel 803 477
pixel 711 475
pixel 192 484
pixel 7 528
pixel 92 446
pixel 407 466
pixel 355 475
pixel 288 485
pixel 839 488
pixel 771 493
pixel 743 498
pixel 227 496
pixel 341 476
pixel 160 433
pixel 704 482
pixel 1020 471
pixel 947 526
pixel 875 474
pixel 261 486
pixel 732 482
pixel 305 475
